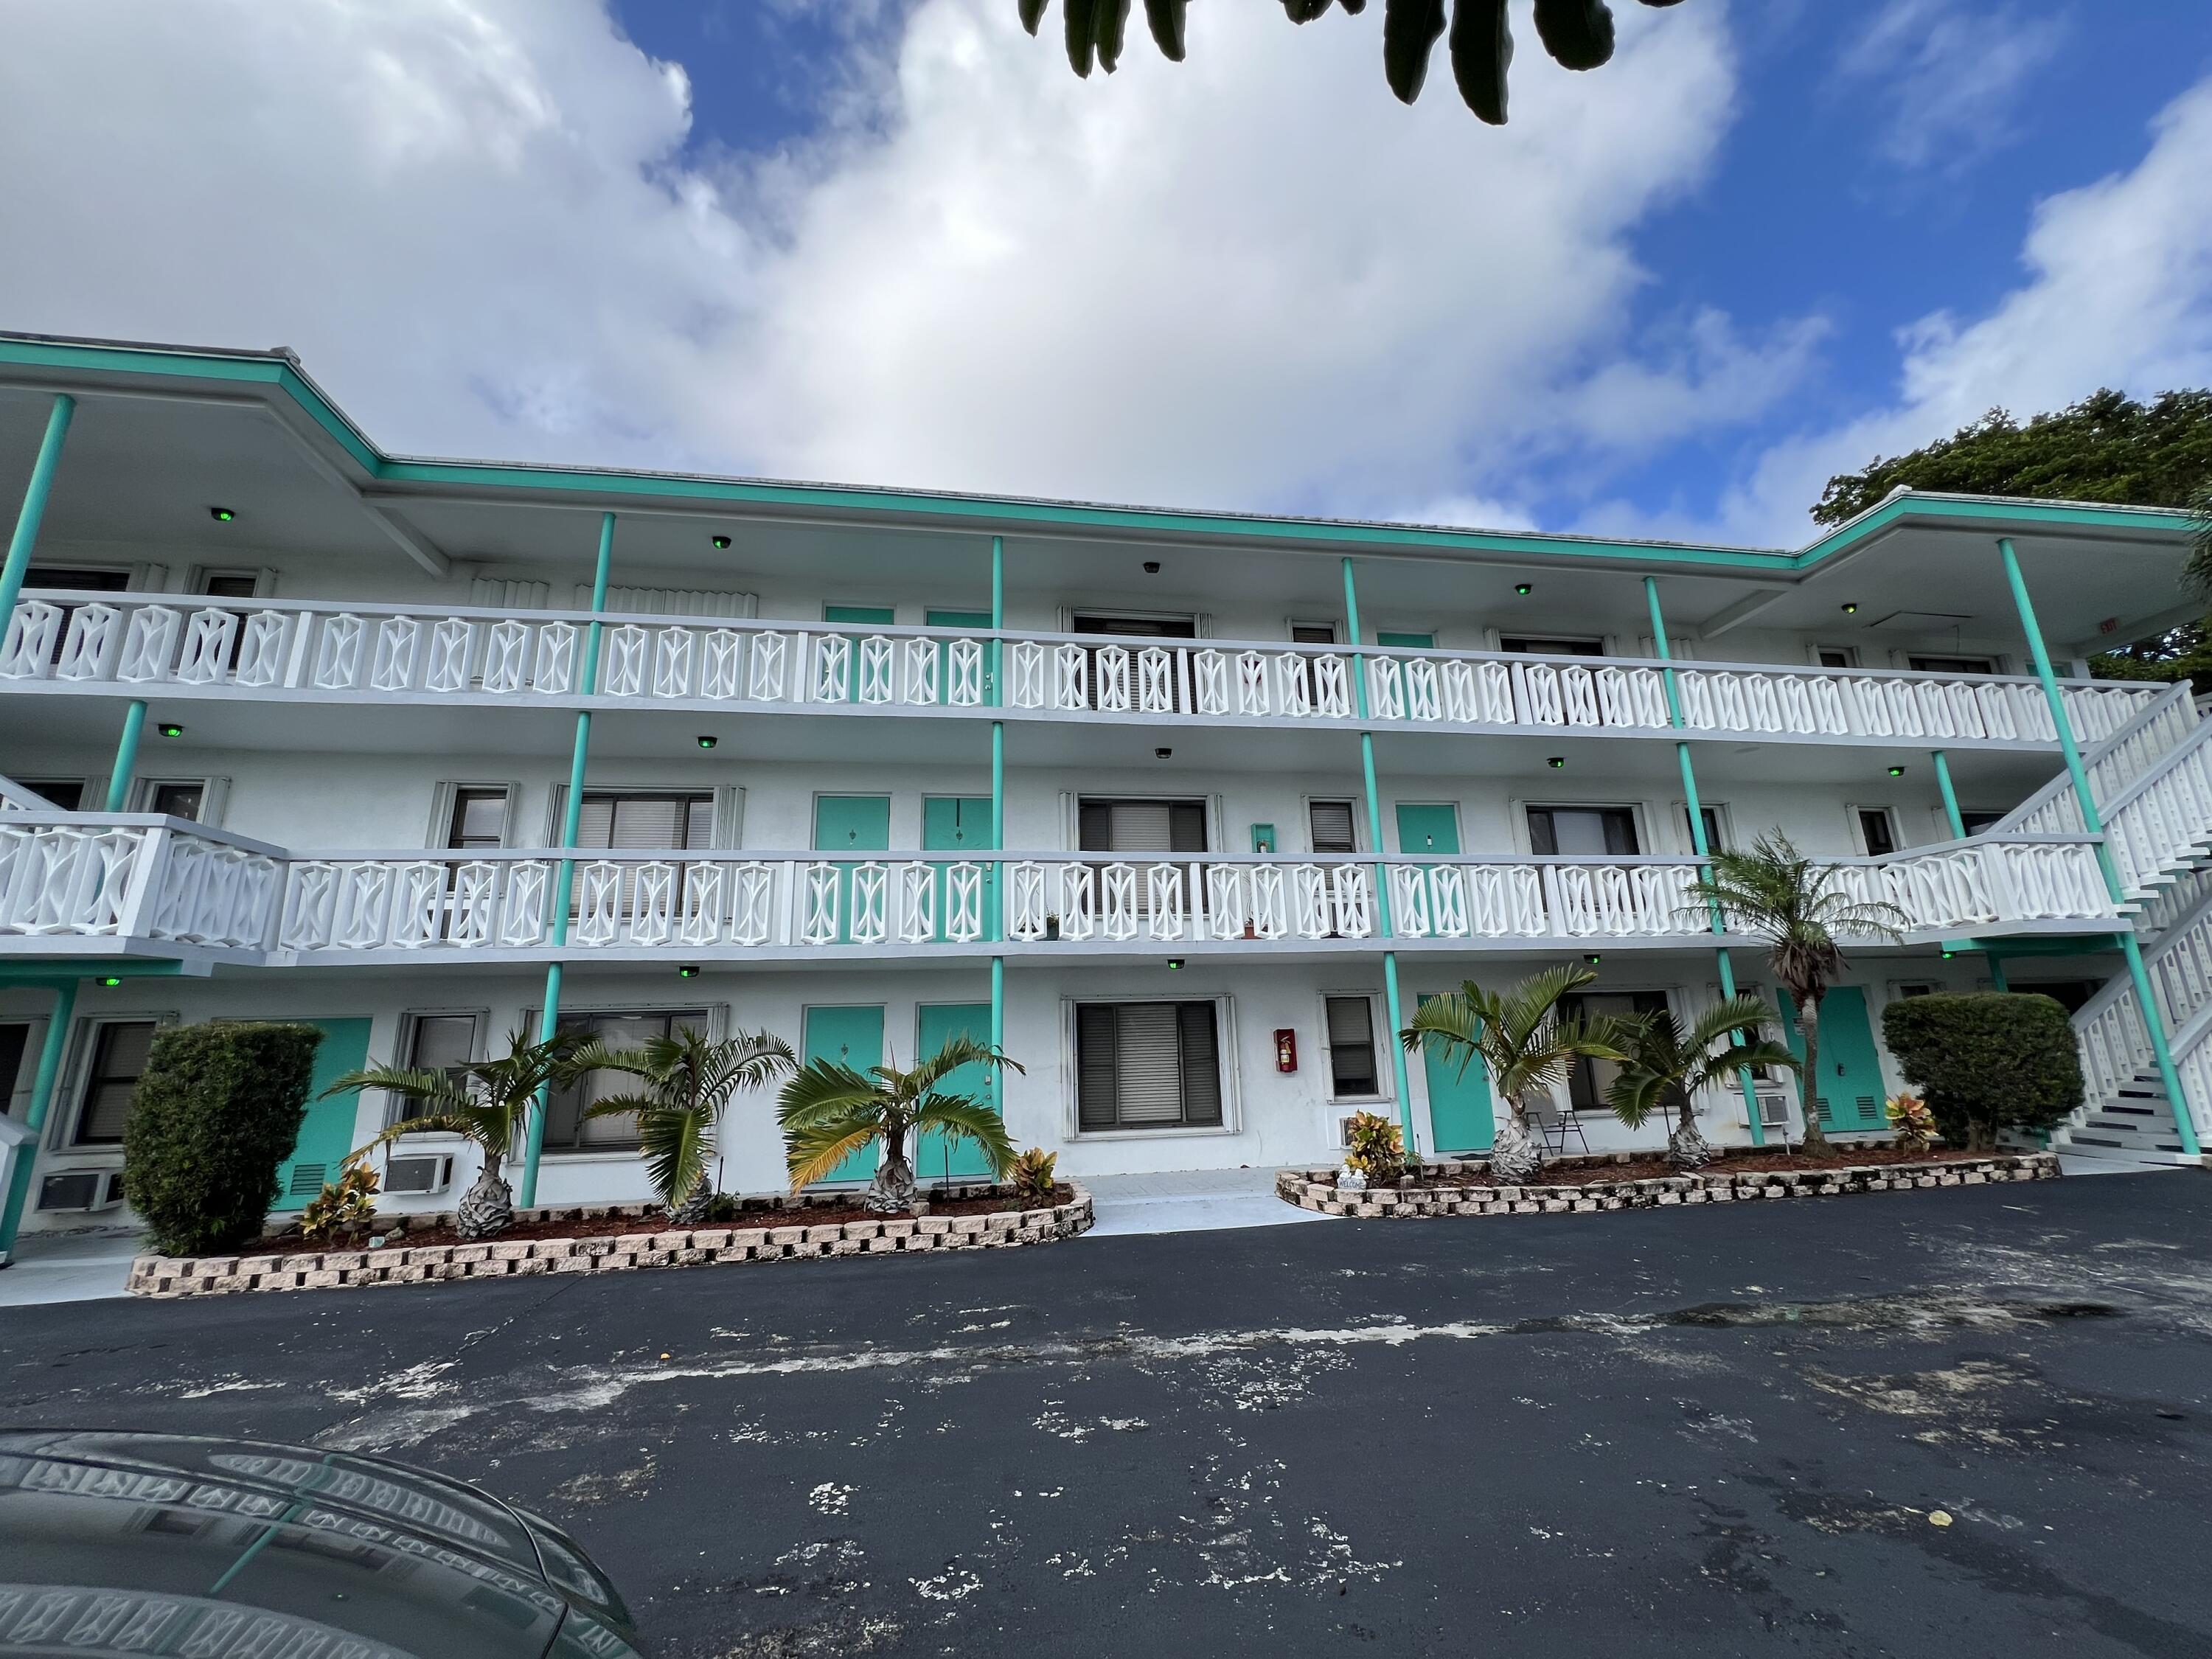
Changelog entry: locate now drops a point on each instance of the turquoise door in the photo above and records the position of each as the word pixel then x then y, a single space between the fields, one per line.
pixel 1406 641
pixel 1430 831
pixel 936 1024
pixel 850 1036
pixel 956 823
pixel 857 613
pixel 326 1135
pixel 851 823
pixel 1849 1087
pixel 976 619
pixel 1461 1117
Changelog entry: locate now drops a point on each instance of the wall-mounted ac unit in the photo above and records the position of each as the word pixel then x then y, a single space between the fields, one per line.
pixel 432 1174
pixel 87 1190
pixel 1773 1109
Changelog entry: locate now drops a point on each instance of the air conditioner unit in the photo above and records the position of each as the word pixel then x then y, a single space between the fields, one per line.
pixel 432 1174
pixel 86 1190
pixel 1773 1109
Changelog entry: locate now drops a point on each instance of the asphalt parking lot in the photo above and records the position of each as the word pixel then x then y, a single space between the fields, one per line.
pixel 1963 1422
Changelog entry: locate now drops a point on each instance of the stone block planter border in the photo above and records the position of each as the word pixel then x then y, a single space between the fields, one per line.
pixel 1315 1189
pixel 778 1233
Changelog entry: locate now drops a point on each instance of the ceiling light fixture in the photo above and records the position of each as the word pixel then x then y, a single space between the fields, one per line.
pixel 721 541
pixel 687 971
pixel 706 742
pixel 1521 588
pixel 1557 762
pixel 222 515
pixel 1852 609
pixel 1152 567
pixel 1897 771
pixel 171 731
pixel 111 981
pixel 1163 754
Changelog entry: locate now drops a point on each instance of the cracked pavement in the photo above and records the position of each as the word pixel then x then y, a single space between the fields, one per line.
pixel 1975 1421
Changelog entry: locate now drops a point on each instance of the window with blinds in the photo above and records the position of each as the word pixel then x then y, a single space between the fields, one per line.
pixel 1330 823
pixel 1148 1065
pixel 118 1060
pixel 436 1043
pixel 1583 831
pixel 1352 1073
pixel 1141 826
pixel 1138 631
pixel 567 1127
pixel 646 822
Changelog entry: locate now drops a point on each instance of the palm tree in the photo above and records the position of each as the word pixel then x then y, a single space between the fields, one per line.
pixel 487 1104
pixel 1665 1066
pixel 690 1083
pixel 1527 1045
pixel 829 1111
pixel 1797 908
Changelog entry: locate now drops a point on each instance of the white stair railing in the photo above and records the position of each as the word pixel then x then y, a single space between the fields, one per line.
pixel 2115 1043
pixel 2112 762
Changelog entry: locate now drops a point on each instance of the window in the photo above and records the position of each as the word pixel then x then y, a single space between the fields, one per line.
pixel 478 820
pixel 118 1060
pixel 15 1039
pixel 1587 1084
pixel 567 1128
pixel 1353 1074
pixel 1545 645
pixel 1877 831
pixel 1143 628
pixel 1976 823
pixel 1837 656
pixel 437 1042
pixel 180 797
pixel 2068 993
pixel 646 823
pixel 1329 824
pixel 63 577
pixel 1405 642
pixel 229 583
pixel 1147 1066
pixel 1141 826
pixel 1715 824
pixel 1952 665
pixel 66 793
pixel 1313 633
pixel 1918 988
pixel 1583 831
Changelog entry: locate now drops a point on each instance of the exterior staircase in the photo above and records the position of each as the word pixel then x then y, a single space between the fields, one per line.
pixel 2152 783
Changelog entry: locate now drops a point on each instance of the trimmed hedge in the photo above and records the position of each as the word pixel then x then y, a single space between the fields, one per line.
pixel 1987 1062
pixel 217 1112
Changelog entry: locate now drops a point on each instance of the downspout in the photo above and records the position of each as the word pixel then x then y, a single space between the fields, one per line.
pixel 2153 1017
pixel 548 1025
pixel 1698 842
pixel 1381 885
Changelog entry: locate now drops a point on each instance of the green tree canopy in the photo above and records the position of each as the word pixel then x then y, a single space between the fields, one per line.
pixel 2108 447
pixel 1577 33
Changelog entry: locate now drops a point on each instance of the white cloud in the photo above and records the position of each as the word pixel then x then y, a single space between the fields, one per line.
pixel 1949 77
pixel 2118 293
pixel 1252 279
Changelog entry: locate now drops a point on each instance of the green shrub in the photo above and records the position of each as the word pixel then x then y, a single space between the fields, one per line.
pixel 1987 1062
pixel 217 1111
pixel 1032 1177
pixel 1375 1149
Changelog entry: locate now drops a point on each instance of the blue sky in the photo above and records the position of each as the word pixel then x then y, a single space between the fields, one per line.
pixel 894 242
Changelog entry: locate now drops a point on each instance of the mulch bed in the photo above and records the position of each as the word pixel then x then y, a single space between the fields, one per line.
pixel 654 1220
pixel 1658 1169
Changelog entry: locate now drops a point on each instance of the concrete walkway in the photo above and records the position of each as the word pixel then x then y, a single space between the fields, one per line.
pixel 67 1268
pixel 1189 1201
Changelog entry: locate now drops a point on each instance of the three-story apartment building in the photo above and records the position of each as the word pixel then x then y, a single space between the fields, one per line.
pixel 1188 810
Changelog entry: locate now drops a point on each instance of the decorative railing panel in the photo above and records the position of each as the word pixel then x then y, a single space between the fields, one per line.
pixel 272 646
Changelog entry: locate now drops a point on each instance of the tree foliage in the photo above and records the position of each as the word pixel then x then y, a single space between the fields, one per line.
pixel 689 1083
pixel 1987 1062
pixel 829 1110
pixel 216 1113
pixel 1577 33
pixel 1668 1067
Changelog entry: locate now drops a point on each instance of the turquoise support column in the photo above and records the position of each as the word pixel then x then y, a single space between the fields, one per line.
pixel 2092 821
pixel 1392 1010
pixel 548 1024
pixel 126 755
pixel 998 801
pixel 1950 795
pixel 1697 811
pixel 35 506
pixel 34 1117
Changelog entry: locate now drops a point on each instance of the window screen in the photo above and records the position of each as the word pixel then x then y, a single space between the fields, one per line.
pixel 1141 826
pixel 1352 1073
pixel 438 1042
pixel 182 798
pixel 1330 822
pixel 649 823
pixel 479 819
pixel 1146 1065
pixel 118 1060
pixel 566 1127
pixel 1876 829
pixel 1583 831
pixel 1839 656
pixel 1313 633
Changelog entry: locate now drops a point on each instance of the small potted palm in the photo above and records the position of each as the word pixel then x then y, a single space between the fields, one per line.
pixel 828 1111
pixel 487 1103
pixel 689 1083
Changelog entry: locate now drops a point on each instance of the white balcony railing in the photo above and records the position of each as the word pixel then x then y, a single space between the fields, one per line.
pixel 272 647
pixel 139 877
